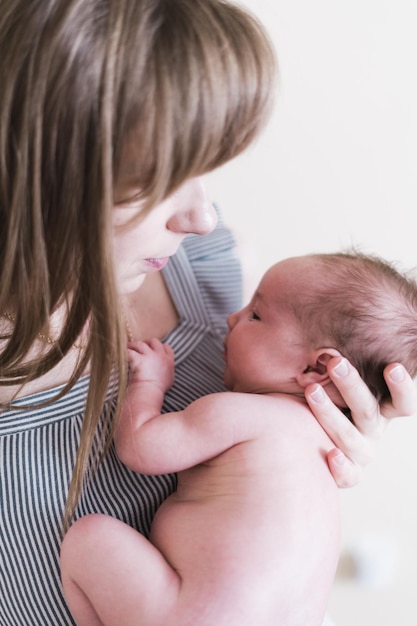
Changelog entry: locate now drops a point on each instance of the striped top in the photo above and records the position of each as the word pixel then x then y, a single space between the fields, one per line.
pixel 38 447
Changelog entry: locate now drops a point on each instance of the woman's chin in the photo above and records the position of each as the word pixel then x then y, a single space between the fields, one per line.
pixel 130 285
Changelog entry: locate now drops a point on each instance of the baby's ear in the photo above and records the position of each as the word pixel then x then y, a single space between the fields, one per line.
pixel 316 369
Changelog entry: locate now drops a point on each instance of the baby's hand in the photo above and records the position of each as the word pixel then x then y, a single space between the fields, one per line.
pixel 151 361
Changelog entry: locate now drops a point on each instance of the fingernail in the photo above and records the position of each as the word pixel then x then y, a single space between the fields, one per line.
pixel 397 374
pixel 342 369
pixel 339 458
pixel 317 395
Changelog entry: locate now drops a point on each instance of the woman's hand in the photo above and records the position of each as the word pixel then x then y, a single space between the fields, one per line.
pixel 355 441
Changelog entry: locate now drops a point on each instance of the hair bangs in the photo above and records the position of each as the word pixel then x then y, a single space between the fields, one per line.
pixel 206 92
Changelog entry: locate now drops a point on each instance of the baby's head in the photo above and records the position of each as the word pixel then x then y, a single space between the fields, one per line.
pixel 308 309
pixel 361 306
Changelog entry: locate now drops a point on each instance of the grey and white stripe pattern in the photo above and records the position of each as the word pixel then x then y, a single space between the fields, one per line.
pixel 38 446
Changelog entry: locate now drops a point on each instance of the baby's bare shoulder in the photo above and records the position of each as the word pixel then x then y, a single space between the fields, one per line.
pixel 256 414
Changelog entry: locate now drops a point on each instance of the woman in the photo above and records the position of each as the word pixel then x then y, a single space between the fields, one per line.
pixel 111 112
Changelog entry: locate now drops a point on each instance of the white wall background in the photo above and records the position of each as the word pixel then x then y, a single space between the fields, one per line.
pixel 337 166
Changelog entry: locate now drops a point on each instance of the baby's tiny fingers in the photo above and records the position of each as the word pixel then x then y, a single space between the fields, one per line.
pixel 155 343
pixel 169 352
pixel 140 347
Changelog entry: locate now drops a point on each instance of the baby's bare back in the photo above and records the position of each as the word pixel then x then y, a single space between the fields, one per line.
pixel 254 532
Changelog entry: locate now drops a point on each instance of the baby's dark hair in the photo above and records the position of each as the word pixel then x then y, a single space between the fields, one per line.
pixel 367 309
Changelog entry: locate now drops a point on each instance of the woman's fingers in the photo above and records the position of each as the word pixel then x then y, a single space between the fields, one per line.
pixel 403 392
pixel 344 471
pixel 354 449
pixel 346 437
pixel 363 405
pixel 370 418
pixel 353 452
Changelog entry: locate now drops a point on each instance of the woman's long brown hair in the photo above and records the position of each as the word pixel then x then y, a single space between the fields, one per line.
pixel 180 86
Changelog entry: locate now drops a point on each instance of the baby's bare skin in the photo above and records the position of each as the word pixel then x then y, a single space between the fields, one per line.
pixel 226 539
pixel 222 529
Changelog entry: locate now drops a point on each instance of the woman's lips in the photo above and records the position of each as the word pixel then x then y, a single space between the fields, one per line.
pixel 157 264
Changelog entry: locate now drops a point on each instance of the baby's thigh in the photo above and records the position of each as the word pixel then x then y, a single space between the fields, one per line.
pixel 117 572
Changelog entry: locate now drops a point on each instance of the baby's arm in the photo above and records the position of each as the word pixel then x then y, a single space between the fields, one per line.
pixel 153 443
pixel 151 374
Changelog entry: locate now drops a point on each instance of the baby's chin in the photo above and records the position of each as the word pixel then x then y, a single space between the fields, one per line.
pixel 229 383
pixel 236 386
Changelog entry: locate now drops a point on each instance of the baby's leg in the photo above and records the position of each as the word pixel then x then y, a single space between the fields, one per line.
pixel 113 576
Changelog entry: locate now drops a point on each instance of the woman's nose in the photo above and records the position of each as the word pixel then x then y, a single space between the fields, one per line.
pixel 193 210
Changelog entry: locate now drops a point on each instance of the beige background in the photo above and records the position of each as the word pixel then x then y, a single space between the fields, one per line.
pixel 337 166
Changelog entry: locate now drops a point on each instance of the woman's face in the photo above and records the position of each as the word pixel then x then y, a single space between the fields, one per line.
pixel 146 245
